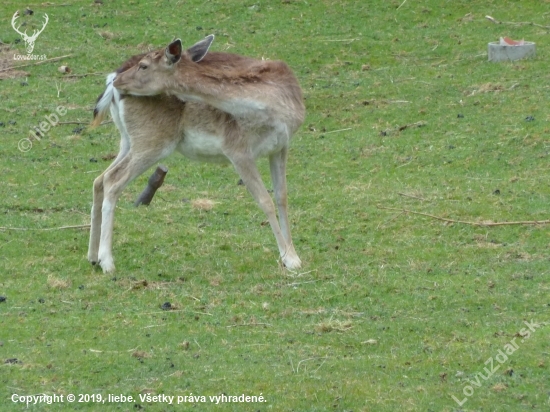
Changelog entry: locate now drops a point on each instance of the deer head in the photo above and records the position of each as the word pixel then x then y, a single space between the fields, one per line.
pixel 29 40
pixel 156 70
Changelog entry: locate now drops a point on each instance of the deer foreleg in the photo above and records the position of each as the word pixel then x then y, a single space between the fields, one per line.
pixel 277 164
pixel 248 171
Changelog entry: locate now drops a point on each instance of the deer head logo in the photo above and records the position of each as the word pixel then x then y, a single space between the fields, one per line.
pixel 29 40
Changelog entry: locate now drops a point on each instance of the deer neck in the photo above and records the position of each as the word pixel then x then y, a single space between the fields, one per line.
pixel 227 91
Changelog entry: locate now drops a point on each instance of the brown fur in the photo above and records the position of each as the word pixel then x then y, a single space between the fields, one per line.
pixel 224 81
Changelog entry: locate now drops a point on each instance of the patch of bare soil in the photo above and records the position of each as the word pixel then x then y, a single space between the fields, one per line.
pixel 8 70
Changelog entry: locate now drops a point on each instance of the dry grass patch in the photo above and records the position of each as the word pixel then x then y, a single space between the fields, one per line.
pixel 203 204
pixel 140 354
pixel 332 325
pixel 58 283
pixel 8 70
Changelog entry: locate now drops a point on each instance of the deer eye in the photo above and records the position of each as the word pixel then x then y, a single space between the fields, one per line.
pixel 142 66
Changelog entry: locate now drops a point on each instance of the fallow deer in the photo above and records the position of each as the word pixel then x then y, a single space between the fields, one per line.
pixel 222 108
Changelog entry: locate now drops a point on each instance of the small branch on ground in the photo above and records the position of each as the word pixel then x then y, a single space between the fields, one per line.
pixel 82 75
pixel 417 124
pixel 388 132
pixel 337 131
pixel 520 23
pixel 412 196
pixel 47 228
pixel 155 181
pixel 85 122
pixel 249 324
pixel 401 5
pixel 464 222
pixel 35 63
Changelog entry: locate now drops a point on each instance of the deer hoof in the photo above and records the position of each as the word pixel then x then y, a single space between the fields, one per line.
pixel 292 262
pixel 107 265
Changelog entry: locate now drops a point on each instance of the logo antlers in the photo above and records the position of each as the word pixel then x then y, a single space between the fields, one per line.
pixel 29 40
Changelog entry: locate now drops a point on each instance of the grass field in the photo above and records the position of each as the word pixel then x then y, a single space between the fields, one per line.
pixel 392 310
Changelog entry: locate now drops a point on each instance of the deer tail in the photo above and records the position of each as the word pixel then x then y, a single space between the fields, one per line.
pixel 104 101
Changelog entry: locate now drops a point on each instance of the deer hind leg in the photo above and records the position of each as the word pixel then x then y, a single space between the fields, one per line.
pixel 114 182
pixel 95 226
pixel 277 165
pixel 247 169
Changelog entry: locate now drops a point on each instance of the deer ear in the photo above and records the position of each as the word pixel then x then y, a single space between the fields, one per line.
pixel 199 50
pixel 173 51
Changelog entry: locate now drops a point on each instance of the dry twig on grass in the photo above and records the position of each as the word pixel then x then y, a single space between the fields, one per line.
pixel 411 196
pixel 465 222
pixel 35 63
pixel 46 228
pixel 249 324
pixel 82 75
pixel 388 132
pixel 513 23
pixel 76 122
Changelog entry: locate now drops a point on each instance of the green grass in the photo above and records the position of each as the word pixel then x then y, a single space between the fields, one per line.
pixel 392 310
